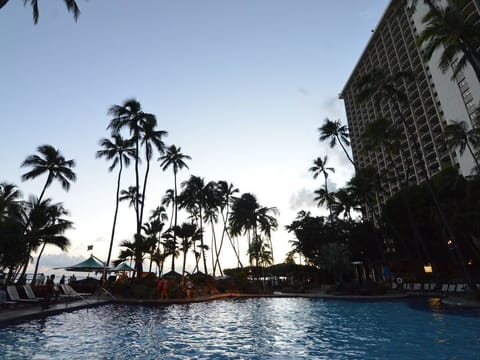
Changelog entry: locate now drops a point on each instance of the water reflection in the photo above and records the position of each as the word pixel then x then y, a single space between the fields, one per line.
pixel 249 329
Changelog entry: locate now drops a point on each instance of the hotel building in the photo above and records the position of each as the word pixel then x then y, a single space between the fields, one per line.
pixel 434 99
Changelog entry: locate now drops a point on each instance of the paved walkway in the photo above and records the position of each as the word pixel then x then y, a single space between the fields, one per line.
pixel 19 312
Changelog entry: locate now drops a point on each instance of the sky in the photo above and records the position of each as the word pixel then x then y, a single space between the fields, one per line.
pixel 240 86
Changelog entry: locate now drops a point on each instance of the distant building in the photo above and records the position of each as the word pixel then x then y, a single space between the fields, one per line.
pixel 434 98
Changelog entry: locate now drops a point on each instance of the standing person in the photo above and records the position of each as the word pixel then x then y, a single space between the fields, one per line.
pixel 62 280
pixel 188 289
pixel 162 288
pixel 50 284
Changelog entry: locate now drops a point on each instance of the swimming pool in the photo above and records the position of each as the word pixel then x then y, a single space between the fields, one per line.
pixel 262 328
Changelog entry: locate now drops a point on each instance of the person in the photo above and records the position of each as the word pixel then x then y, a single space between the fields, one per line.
pixel 62 280
pixel 50 289
pixel 188 289
pixel 162 287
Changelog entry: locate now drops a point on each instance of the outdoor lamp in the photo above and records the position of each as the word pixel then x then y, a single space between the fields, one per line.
pixel 427 268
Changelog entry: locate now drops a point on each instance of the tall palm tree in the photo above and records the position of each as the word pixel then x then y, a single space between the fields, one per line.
pixel 130 116
pixel 167 200
pixel 320 167
pixel 174 158
pixel 71 7
pixel 51 162
pixel 335 132
pixel 448 29
pixel 120 151
pixel 224 192
pixel 151 138
pixel 195 198
pixel 460 137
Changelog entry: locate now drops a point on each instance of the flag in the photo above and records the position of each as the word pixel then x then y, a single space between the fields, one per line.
pixel 89 247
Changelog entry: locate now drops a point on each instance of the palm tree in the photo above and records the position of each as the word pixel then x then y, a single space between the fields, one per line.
pixel 195 198
pixel 188 233
pixel 71 7
pixel 47 227
pixel 323 197
pixel 9 201
pixel 53 163
pixel 120 151
pixel 174 158
pixel 132 195
pixel 336 132
pixel 151 138
pixel 320 167
pixel 170 246
pixel 344 203
pixel 248 217
pixel 448 29
pixel 224 192
pixel 459 137
pixel 167 199
pixel 152 232
pixel 159 214
pixel 131 116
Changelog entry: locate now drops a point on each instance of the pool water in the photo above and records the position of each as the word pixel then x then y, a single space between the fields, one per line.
pixel 262 328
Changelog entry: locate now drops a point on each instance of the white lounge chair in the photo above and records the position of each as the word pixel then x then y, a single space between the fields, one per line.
pixel 30 294
pixel 13 295
pixel 451 287
pixel 444 287
pixel 417 286
pixel 461 288
pixel 4 301
pixel 68 290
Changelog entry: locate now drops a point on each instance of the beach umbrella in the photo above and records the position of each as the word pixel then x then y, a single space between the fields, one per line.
pixel 89 265
pixel 122 267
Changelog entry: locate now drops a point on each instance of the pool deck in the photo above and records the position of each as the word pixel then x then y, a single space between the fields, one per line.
pixel 20 312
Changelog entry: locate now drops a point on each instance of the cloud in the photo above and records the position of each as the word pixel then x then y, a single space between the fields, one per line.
pixel 300 199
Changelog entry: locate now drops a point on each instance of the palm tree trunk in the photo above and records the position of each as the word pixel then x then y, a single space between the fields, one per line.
pixel 144 190
pixel 138 250
pixel 473 154
pixel 345 151
pixel 115 214
pixel 185 250
pixel 201 242
pixel 38 262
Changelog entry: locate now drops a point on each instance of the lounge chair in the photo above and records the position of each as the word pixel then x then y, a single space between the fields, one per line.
pixel 430 286
pixel 4 301
pixel 417 286
pixel 444 287
pixel 68 290
pixel 461 288
pixel 30 294
pixel 13 295
pixel 451 287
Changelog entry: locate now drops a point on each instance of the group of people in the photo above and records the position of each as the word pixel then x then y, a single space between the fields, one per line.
pixel 162 287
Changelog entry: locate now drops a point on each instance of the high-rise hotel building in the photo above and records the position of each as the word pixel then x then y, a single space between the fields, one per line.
pixel 434 99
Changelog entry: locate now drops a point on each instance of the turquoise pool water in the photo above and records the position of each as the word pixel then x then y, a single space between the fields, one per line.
pixel 251 329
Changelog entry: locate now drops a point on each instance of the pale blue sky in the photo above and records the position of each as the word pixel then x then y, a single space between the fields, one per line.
pixel 241 86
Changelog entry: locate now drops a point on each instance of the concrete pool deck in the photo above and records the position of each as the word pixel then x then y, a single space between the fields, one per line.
pixel 21 312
